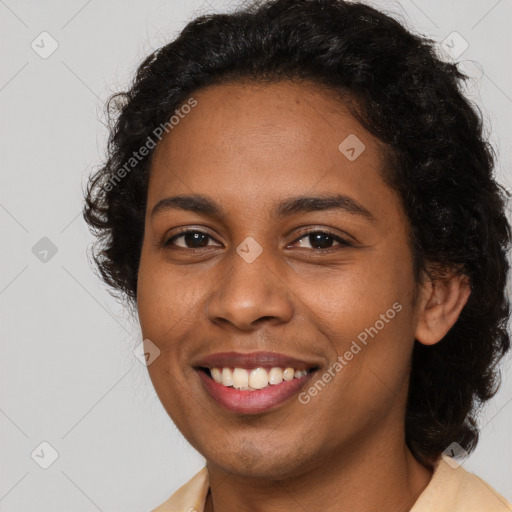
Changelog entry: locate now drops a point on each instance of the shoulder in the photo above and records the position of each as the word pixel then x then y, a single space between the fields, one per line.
pixel 451 489
pixel 190 497
pixel 454 489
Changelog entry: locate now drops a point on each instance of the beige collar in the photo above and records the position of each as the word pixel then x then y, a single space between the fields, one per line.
pixel 449 490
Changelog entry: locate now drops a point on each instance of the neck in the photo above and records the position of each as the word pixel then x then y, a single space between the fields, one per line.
pixel 370 476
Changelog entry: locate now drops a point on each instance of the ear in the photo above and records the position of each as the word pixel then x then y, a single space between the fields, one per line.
pixel 440 304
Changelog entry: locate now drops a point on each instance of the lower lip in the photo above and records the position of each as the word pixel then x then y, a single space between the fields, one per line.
pixel 252 402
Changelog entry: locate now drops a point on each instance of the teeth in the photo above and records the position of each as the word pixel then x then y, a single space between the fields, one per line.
pixel 240 378
pixel 257 378
pixel 216 375
pixel 288 374
pixel 275 376
pixel 227 377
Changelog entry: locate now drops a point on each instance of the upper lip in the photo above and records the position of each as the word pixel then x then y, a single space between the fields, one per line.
pixel 251 360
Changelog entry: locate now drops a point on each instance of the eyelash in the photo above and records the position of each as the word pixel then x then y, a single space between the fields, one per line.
pixel 167 243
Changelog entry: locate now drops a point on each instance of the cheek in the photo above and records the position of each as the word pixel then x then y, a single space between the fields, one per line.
pixel 162 309
pixel 349 300
pixel 170 304
pixel 162 296
pixel 151 299
pixel 368 320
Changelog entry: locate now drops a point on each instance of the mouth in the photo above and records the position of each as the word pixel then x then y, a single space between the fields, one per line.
pixel 253 383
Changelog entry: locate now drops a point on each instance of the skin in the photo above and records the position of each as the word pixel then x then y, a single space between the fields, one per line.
pixel 247 147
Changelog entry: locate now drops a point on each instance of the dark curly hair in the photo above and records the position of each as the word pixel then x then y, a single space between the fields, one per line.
pixel 437 158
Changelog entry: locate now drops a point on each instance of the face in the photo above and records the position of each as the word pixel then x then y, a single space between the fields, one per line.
pixel 272 242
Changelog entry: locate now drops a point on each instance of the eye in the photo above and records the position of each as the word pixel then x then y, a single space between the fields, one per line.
pixel 319 240
pixel 191 239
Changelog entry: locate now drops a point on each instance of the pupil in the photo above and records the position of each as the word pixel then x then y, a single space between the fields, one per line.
pixel 196 239
pixel 319 239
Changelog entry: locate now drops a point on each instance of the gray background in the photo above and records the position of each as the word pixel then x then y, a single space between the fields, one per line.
pixel 68 375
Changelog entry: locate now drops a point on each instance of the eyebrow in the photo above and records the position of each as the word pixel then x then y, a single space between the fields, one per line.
pixel 201 204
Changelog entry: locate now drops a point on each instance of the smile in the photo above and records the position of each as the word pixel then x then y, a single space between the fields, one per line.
pixel 258 378
pixel 253 383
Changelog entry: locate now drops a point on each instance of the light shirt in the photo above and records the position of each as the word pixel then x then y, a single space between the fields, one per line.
pixel 449 490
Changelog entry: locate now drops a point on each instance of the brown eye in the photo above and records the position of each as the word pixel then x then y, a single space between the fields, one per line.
pixel 321 240
pixel 190 240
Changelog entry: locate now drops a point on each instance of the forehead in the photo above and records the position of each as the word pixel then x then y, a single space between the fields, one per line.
pixel 281 115
pixel 266 140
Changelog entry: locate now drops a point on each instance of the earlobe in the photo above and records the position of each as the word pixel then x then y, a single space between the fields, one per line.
pixel 441 304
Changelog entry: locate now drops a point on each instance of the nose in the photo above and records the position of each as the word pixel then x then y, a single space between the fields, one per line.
pixel 249 295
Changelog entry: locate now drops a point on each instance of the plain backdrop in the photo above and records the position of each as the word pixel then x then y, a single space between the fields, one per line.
pixel 68 375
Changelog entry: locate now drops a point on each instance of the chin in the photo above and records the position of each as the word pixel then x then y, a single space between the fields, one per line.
pixel 249 460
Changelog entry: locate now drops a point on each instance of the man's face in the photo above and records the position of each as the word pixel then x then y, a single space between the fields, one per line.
pixel 270 282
